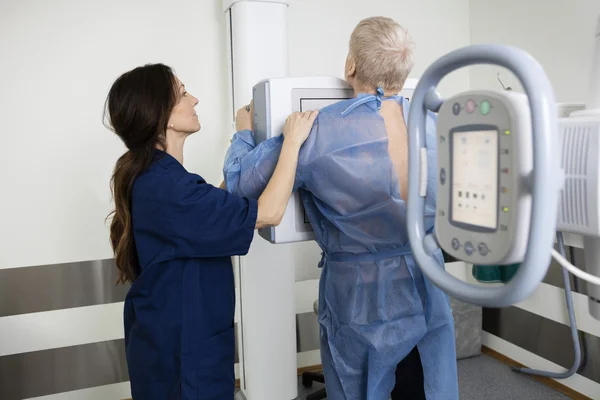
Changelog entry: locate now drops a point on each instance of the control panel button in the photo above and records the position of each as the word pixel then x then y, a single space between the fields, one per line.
pixel 455 244
pixel 442 176
pixel 456 108
pixel 470 107
pixel 483 249
pixel 469 248
pixel 485 107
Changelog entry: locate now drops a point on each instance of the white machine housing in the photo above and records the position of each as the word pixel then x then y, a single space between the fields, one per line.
pixel 274 100
pixel 579 206
pixel 580 146
pixel 485 156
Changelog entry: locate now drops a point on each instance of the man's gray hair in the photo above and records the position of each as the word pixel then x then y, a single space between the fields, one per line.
pixel 383 52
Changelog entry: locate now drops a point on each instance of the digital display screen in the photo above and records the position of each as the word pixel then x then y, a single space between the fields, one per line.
pixel 475 178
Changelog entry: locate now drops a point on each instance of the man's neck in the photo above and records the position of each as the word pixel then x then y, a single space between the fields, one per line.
pixel 358 91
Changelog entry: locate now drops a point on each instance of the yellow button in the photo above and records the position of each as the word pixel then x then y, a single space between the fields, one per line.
pixel 507 132
pixel 505 209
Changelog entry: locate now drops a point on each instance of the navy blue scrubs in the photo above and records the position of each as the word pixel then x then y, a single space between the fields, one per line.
pixel 179 313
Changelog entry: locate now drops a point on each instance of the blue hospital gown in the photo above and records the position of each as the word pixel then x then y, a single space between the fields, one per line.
pixel 375 305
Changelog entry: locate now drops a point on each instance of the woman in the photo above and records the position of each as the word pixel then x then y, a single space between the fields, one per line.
pixel 173 235
pixel 382 322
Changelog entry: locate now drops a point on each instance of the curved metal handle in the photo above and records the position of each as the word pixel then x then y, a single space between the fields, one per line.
pixel 545 191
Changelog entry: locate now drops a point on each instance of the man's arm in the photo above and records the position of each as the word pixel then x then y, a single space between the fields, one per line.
pixel 248 167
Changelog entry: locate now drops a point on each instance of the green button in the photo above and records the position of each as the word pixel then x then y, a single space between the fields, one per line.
pixel 485 107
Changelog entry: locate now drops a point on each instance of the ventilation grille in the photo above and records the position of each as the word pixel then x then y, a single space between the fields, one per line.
pixel 573 210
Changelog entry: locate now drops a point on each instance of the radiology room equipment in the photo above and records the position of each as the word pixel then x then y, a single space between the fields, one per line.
pixel 526 182
pixel 579 211
pixel 495 188
pixel 266 329
pixel 274 100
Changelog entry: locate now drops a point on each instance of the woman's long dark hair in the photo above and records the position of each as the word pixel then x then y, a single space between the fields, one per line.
pixel 138 105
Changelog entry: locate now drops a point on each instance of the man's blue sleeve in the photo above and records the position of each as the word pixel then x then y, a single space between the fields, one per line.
pixel 248 167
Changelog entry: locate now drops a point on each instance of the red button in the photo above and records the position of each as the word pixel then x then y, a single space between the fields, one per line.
pixel 505 171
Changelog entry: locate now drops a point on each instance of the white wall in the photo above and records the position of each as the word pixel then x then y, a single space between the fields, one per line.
pixel 59 60
pixel 558 33
pixel 438 26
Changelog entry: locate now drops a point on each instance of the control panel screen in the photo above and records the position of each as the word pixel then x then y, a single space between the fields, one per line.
pixel 475 178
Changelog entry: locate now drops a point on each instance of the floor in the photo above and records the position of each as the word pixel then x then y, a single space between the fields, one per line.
pixel 484 377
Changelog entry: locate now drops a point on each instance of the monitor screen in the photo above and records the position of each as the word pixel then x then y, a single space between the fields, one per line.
pixel 475 178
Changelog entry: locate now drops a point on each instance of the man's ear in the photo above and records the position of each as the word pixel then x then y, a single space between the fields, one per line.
pixel 351 68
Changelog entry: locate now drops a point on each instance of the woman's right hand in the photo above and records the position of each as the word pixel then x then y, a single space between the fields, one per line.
pixel 298 125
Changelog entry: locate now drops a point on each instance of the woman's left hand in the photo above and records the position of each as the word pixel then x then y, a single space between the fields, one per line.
pixel 244 118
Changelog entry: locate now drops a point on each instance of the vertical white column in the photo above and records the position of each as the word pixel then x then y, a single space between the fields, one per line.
pixel 257 32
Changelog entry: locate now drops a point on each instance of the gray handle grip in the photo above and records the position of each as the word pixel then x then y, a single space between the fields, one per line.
pixel 545 192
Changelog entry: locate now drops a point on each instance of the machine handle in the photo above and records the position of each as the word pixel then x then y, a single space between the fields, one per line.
pixel 545 193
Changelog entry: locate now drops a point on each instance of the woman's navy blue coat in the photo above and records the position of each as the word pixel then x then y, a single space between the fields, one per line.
pixel 179 313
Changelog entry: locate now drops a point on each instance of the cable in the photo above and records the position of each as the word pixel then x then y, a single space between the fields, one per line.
pixel 572 322
pixel 582 339
pixel 574 270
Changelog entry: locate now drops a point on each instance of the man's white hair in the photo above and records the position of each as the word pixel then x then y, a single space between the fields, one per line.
pixel 383 52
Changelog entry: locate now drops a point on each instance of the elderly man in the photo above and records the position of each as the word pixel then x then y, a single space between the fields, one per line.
pixel 382 322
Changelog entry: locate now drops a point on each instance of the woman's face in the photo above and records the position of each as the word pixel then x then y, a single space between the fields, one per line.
pixel 183 118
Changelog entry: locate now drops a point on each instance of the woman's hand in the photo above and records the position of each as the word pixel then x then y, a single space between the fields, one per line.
pixel 244 118
pixel 298 125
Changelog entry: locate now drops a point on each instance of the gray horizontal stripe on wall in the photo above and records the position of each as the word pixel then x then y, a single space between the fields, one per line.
pixel 59 286
pixel 63 369
pixel 544 337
